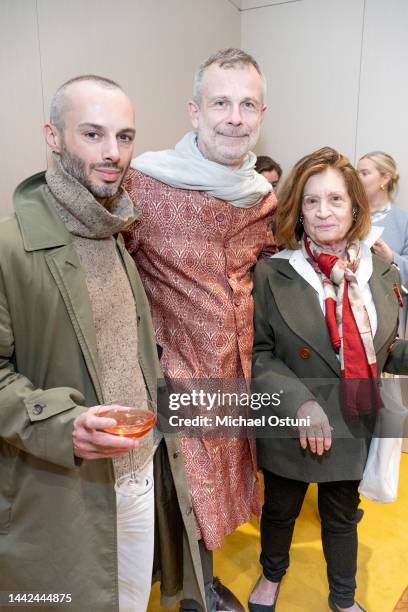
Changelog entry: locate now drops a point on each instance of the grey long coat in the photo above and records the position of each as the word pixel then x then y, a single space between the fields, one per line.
pixel 292 343
pixel 58 514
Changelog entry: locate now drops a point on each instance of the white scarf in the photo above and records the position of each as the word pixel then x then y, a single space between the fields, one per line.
pixel 185 167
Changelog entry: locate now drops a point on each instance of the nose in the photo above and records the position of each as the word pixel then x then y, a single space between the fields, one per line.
pixel 110 150
pixel 234 117
pixel 323 211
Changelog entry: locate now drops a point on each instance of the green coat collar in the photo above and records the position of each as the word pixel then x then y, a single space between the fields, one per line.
pixel 40 226
pixel 43 230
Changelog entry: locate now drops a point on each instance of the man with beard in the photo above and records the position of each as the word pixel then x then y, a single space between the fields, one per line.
pixel 76 337
pixel 204 220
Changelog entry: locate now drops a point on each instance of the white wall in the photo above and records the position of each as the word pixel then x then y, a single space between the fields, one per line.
pixel 250 4
pixel 21 103
pixel 336 72
pixel 383 108
pixel 151 47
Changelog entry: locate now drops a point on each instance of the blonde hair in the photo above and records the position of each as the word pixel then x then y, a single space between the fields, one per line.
pixel 287 226
pixel 385 164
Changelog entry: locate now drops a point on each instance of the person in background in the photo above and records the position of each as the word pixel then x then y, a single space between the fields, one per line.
pixel 379 175
pixel 325 310
pixel 204 221
pixel 270 169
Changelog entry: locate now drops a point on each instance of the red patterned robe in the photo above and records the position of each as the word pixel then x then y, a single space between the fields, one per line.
pixel 195 253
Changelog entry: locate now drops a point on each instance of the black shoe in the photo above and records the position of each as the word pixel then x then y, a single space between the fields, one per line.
pixel 255 607
pixel 333 606
pixel 225 599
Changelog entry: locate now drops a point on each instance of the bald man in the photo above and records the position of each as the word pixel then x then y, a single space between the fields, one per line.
pixel 75 338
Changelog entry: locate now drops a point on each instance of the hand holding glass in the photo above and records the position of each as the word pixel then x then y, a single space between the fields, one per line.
pixel 131 422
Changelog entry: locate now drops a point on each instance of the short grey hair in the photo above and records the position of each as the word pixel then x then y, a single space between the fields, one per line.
pixel 60 101
pixel 225 58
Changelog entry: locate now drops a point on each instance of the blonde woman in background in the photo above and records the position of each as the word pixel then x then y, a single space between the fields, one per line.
pixel 378 173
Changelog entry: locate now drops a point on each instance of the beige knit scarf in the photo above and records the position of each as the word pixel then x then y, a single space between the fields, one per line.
pixel 92 227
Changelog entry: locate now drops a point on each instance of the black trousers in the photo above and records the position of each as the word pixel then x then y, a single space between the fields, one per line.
pixel 338 503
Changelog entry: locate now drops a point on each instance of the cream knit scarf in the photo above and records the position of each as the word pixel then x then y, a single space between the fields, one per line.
pixel 185 167
pixel 92 227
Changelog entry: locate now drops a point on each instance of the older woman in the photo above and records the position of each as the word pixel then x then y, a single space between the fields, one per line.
pixel 325 310
pixel 379 175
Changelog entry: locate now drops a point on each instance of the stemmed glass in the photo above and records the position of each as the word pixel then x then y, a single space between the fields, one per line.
pixel 132 422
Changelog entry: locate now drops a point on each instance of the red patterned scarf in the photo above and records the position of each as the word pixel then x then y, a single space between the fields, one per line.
pixel 348 324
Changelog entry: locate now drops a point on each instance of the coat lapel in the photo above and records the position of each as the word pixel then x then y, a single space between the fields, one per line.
pixel 303 313
pixel 65 267
pixel 143 314
pixel 305 317
pixel 385 300
pixel 43 230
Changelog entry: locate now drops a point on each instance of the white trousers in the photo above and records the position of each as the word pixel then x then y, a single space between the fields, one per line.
pixel 135 520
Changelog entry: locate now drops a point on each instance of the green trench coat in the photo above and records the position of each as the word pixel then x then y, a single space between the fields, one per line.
pixel 292 348
pixel 58 513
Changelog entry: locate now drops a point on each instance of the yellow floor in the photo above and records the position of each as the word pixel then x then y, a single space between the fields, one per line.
pixel 382 559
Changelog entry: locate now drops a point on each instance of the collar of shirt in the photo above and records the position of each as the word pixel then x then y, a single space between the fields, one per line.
pixel 298 261
pixel 379 215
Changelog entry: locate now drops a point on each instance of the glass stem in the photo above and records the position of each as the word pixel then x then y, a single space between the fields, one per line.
pixel 132 466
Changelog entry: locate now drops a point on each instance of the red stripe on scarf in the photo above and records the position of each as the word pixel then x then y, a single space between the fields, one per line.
pixel 360 393
pixel 355 358
pixel 324 260
pixel 332 323
pixel 326 263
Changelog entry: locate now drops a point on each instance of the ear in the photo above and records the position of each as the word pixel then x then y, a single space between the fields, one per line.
pixel 263 111
pixel 194 112
pixel 386 178
pixel 52 137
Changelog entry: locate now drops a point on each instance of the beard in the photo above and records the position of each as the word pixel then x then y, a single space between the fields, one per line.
pixel 216 148
pixel 241 150
pixel 76 167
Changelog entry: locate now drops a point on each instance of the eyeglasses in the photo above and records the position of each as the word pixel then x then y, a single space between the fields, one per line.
pixel 333 200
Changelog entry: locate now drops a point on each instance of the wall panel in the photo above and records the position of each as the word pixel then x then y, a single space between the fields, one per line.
pixel 151 47
pixel 251 4
pixel 21 110
pixel 383 108
pixel 310 53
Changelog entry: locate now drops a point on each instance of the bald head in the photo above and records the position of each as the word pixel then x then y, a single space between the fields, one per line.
pixel 62 100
